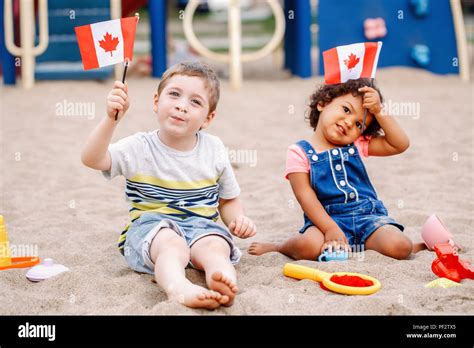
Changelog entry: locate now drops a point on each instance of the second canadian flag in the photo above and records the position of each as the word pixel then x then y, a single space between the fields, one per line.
pixel 106 43
pixel 348 62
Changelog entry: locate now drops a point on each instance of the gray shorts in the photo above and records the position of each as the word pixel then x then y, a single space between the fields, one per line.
pixel 142 231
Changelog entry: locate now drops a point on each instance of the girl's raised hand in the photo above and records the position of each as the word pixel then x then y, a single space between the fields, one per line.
pixel 371 100
pixel 118 99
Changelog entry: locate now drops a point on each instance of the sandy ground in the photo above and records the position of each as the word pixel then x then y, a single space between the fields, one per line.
pixel 72 214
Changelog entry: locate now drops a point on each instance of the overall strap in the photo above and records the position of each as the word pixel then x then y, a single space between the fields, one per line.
pixel 307 148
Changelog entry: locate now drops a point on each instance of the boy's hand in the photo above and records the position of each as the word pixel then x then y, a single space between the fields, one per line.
pixel 335 240
pixel 371 100
pixel 242 227
pixel 117 99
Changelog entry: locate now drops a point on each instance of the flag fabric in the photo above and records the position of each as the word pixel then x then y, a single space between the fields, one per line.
pixel 106 43
pixel 349 62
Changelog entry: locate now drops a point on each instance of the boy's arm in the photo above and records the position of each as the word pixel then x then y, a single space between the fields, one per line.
pixel 232 214
pixel 395 140
pixel 315 211
pixel 95 154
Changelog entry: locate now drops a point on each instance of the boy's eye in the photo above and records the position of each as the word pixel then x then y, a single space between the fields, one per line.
pixel 195 101
pixel 346 109
pixel 175 94
pixel 358 125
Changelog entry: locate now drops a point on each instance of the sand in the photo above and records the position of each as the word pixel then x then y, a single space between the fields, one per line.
pixel 70 213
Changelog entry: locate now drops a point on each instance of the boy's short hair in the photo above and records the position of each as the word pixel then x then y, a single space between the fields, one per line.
pixel 198 69
pixel 326 93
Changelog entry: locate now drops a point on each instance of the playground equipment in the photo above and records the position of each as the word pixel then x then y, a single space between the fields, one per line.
pixel 28 51
pixel 412 38
pixel 235 58
pixel 61 58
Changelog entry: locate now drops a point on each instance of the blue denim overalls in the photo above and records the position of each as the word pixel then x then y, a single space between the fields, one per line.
pixel 343 187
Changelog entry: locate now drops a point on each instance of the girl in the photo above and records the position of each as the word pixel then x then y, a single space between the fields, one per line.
pixel 329 180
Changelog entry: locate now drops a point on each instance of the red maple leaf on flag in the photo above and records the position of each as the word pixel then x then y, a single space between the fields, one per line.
pixel 352 61
pixel 109 44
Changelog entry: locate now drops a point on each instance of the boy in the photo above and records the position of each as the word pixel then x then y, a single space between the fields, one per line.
pixel 178 180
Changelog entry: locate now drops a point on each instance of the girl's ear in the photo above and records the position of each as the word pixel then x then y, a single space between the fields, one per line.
pixel 320 107
pixel 155 102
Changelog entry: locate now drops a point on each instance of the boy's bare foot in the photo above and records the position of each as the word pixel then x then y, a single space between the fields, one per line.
pixel 196 296
pixel 224 286
pixel 258 248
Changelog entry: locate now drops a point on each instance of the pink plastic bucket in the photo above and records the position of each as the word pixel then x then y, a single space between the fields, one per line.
pixel 434 232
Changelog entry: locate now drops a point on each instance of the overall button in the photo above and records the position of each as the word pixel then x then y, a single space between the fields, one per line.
pixel 314 158
pixel 335 152
pixel 352 195
pixel 351 151
pixel 338 167
pixel 342 183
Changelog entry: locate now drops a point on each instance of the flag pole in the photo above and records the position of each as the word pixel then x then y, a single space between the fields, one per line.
pixel 365 110
pixel 123 81
pixel 137 15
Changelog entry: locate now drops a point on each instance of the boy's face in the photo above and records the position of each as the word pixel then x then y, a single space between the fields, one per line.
pixel 341 119
pixel 183 106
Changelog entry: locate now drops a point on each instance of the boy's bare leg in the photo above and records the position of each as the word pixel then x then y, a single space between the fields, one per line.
pixel 212 254
pixel 170 254
pixel 390 241
pixel 306 246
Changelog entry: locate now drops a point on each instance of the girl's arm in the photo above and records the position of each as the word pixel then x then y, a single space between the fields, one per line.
pixel 395 140
pixel 95 154
pixel 315 211
pixel 232 214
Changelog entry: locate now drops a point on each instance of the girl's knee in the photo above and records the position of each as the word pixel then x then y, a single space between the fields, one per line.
pixel 308 250
pixel 403 248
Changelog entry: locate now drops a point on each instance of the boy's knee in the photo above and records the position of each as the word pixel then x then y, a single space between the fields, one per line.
pixel 167 240
pixel 211 245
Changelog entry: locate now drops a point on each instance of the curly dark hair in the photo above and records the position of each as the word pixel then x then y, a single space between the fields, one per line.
pixel 326 93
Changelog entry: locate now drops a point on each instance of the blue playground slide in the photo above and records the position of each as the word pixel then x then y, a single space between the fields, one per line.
pixel 62 59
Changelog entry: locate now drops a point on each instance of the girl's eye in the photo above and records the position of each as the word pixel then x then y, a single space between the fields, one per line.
pixel 195 101
pixel 346 109
pixel 358 125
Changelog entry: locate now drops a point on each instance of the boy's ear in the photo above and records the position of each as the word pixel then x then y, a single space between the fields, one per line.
pixel 155 102
pixel 209 119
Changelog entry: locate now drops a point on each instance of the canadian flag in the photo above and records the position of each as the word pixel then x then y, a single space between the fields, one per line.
pixel 351 62
pixel 106 43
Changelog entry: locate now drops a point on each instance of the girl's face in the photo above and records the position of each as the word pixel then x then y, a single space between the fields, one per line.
pixel 341 119
pixel 183 106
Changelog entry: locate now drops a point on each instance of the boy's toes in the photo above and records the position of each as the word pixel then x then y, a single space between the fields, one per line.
pixel 224 300
pixel 223 285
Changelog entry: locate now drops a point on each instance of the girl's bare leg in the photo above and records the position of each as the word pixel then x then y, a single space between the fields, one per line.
pixel 306 246
pixel 390 241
